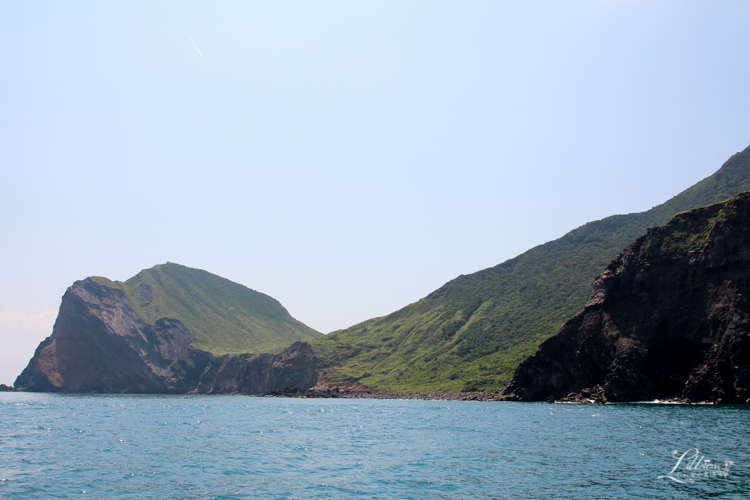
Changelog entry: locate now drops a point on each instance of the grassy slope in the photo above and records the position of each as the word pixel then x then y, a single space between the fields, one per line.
pixel 222 316
pixel 471 333
pixel 688 233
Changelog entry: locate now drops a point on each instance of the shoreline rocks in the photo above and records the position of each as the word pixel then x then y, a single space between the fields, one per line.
pixel 335 393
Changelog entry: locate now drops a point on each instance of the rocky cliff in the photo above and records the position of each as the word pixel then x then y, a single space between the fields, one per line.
pixel 669 318
pixel 100 344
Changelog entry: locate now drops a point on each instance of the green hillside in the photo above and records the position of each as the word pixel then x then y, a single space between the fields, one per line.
pixel 222 316
pixel 472 333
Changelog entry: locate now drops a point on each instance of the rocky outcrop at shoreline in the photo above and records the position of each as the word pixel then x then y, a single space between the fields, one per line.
pixel 668 319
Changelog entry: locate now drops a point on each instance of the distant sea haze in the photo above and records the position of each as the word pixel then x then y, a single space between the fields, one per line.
pixel 176 447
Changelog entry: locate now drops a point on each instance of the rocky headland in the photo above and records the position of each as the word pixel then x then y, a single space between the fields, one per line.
pixel 668 319
pixel 100 344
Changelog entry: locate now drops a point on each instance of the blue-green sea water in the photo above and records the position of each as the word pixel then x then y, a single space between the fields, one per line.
pixel 206 447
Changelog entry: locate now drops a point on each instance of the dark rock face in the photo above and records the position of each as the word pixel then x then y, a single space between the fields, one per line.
pixel 669 318
pixel 292 370
pixel 99 344
pixel 6 388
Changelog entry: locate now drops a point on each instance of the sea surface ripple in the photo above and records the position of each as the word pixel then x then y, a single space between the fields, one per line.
pixel 211 447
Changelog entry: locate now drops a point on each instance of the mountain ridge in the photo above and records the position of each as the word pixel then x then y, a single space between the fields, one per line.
pixel 468 335
pixel 471 333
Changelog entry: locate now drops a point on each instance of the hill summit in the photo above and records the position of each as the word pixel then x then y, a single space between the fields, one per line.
pixel 221 315
pixel 169 329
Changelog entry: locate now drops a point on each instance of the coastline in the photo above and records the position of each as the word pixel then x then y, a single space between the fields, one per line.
pixel 336 393
pixel 369 394
pixel 470 396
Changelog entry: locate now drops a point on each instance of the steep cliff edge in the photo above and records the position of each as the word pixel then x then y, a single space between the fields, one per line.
pixel 668 318
pixel 100 343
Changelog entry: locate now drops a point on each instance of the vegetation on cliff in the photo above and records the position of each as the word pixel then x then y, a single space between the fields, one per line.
pixel 222 316
pixel 668 318
pixel 472 333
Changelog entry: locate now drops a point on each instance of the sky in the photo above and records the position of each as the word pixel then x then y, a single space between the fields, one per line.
pixel 345 158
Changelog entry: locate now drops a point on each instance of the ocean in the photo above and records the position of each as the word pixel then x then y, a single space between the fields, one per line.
pixel 239 447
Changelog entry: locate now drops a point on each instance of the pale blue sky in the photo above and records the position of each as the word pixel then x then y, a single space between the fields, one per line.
pixel 346 158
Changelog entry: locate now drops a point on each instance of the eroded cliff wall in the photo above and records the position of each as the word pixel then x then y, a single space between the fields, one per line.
pixel 668 318
pixel 99 344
